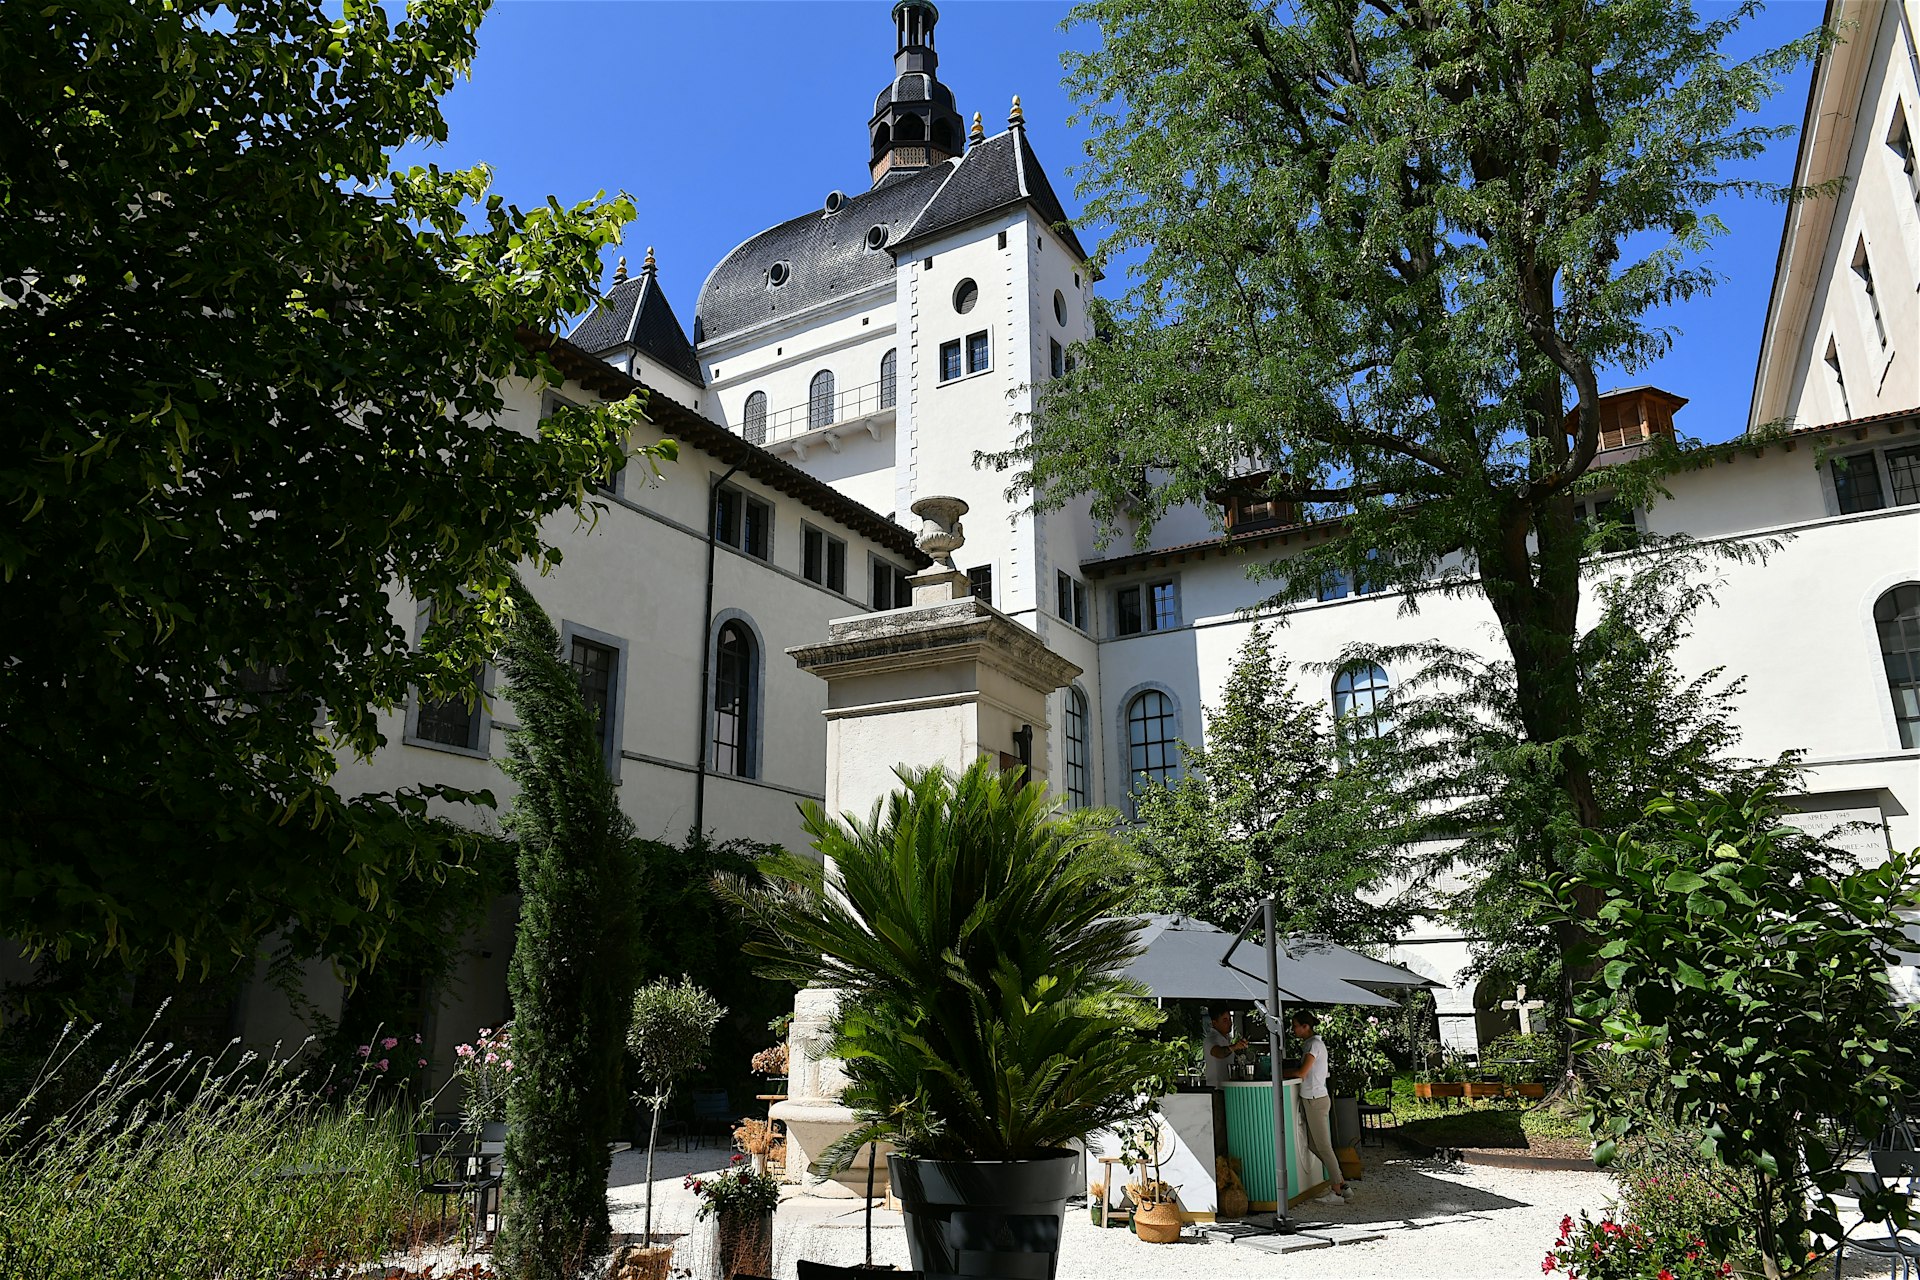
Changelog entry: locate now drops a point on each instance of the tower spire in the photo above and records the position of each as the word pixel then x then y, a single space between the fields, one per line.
pixel 914 125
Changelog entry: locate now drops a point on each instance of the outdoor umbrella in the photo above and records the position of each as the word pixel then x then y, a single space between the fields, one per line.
pixel 1182 962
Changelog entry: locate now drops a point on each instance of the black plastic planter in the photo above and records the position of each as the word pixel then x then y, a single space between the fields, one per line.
pixel 999 1218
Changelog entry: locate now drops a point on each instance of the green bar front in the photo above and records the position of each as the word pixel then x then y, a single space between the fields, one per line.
pixel 1250 1139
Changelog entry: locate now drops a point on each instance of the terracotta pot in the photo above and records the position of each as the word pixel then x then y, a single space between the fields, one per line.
pixel 1431 1089
pixel 1350 1166
pixel 1485 1089
pixel 1531 1090
pixel 1157 1223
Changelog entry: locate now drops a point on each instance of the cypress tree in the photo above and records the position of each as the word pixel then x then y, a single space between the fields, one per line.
pixel 574 962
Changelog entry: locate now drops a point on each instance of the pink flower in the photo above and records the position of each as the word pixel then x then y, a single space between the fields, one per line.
pixel 416 1038
pixel 1611 1228
pixel 389 1042
pixel 382 1064
pixel 508 1064
pixel 485 1032
pixel 423 1062
pixel 1566 1225
pixel 364 1050
pixel 463 1050
pixel 1548 1264
pixel 492 1058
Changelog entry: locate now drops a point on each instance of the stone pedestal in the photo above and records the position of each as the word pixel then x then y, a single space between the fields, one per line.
pixel 945 682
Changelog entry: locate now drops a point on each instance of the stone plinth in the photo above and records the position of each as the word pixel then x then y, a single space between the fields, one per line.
pixel 945 682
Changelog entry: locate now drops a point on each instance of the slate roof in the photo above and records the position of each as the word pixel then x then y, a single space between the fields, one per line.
pixel 636 313
pixel 827 255
pixel 680 423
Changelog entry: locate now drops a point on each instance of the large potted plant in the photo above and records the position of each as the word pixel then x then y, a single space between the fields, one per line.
pixel 975 935
pixel 671 1031
pixel 1356 1055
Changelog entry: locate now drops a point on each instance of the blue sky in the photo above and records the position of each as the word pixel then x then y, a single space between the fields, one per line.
pixel 723 118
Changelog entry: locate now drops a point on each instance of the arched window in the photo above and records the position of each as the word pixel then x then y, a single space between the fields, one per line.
pixel 820 400
pixel 733 676
pixel 889 380
pixel 1358 692
pixel 882 136
pixel 1151 741
pixel 756 424
pixel 911 129
pixel 1896 616
pixel 1075 741
pixel 943 135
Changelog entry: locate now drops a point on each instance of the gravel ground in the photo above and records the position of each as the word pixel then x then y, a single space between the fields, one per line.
pixel 1455 1221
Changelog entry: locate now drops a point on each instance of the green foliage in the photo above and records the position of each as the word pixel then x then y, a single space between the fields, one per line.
pixel 1756 973
pixel 1384 246
pixel 737 1191
pixel 669 1035
pixel 171 1164
pixel 1522 1058
pixel 574 965
pixel 251 391
pixel 1489 800
pixel 1356 1042
pixel 1273 805
pixel 1678 1198
pixel 974 935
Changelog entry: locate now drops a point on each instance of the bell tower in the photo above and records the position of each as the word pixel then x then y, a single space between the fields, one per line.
pixel 914 125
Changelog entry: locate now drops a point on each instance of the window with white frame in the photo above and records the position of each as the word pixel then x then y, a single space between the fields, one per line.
pixel 1145 606
pixel 1876 478
pixel 1896 617
pixel 1359 692
pixel 1071 599
pixel 1153 741
pixel 1074 747
pixel 823 559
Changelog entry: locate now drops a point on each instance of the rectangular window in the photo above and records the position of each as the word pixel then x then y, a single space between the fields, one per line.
pixel 980 578
pixel 1056 358
pixel 1856 483
pixel 891 590
pixel 978 353
pixel 595 667
pixel 1621 533
pixel 824 559
pixel 742 522
pixel 1337 585
pixel 1863 268
pixel 1071 599
pixel 453 722
pixel 1903 467
pixel 949 360
pixel 1151 606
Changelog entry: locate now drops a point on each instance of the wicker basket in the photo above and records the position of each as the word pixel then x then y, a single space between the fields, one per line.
pixel 1157 1223
pixel 637 1263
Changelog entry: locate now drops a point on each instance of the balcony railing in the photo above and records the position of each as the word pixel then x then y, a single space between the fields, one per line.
pixel 846 408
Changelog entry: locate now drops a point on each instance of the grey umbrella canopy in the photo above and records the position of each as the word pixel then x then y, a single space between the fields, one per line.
pixel 1181 961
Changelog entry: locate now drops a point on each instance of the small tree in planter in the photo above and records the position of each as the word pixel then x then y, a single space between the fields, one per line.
pixel 671 1031
pixel 975 936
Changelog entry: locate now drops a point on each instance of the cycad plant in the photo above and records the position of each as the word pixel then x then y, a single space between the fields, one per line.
pixel 976 937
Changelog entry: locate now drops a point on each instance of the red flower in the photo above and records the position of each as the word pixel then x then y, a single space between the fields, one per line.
pixel 1611 1228
pixel 1566 1225
pixel 1665 1274
pixel 1548 1264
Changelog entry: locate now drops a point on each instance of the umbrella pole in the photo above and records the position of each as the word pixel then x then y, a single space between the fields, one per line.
pixel 1276 1045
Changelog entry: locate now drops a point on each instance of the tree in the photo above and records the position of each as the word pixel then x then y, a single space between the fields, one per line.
pixel 575 962
pixel 1384 245
pixel 1485 801
pixel 671 1031
pixel 251 396
pixel 1278 802
pixel 1753 976
pixel 974 936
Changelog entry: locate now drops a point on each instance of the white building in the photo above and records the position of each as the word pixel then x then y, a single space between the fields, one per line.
pixel 882 339
pixel 853 359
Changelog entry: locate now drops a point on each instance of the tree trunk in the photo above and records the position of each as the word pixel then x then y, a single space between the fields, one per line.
pixel 653 1140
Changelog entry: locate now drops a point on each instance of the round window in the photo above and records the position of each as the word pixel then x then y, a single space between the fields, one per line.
pixel 965 295
pixel 777 274
pixel 877 236
pixel 1060 307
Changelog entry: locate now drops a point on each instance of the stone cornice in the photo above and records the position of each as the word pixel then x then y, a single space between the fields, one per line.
pixel 934 635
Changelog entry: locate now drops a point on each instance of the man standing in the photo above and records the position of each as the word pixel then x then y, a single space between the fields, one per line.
pixel 1221 1046
pixel 1315 1104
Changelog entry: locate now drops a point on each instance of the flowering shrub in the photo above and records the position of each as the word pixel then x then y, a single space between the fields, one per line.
pixel 771 1062
pixel 386 1062
pixel 1609 1250
pixel 484 1068
pixel 739 1190
pixel 1676 1198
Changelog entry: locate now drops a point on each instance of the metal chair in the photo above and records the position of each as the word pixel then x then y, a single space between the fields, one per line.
pixel 1902 1253
pixel 712 1115
pixel 454 1168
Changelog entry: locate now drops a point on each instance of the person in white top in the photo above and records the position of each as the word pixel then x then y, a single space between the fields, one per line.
pixel 1315 1105
pixel 1221 1046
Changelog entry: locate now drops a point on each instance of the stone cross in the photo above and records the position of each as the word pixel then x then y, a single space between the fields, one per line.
pixel 1523 1006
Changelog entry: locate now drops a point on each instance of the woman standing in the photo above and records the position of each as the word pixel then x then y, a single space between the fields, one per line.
pixel 1316 1105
